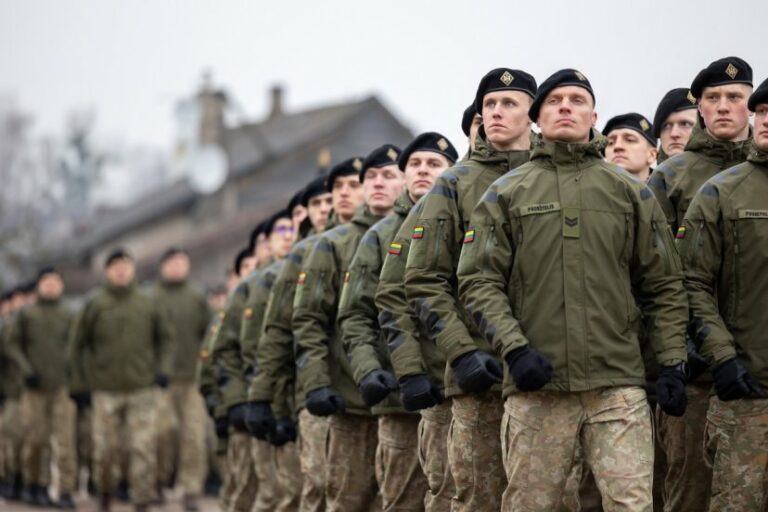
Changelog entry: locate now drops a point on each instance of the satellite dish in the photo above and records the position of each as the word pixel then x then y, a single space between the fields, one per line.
pixel 208 169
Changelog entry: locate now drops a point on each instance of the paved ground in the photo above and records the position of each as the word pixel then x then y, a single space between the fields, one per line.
pixel 85 504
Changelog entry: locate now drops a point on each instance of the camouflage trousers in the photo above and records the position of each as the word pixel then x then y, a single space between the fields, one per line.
pixel 474 452
pixel 350 484
pixel 736 449
pixel 49 429
pixel 83 438
pixel 183 439
pixel 135 413
pixel 688 481
pixel 289 477
pixel 241 471
pixel 542 431
pixel 11 438
pixel 263 457
pixel 313 441
pixel 402 483
pixel 433 456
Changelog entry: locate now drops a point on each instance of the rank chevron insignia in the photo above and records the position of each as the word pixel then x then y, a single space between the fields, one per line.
pixel 571 221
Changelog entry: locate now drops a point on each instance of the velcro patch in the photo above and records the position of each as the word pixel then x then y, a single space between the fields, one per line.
pixel 395 249
pixel 302 278
pixel 418 232
pixel 469 236
pixel 680 233
pixel 571 228
pixel 753 214
pixel 537 209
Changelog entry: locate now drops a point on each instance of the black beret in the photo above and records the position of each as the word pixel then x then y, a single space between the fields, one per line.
pixel 382 156
pixel 349 167
pixel 260 229
pixel 674 101
pixel 171 252
pixel 559 79
pixel 314 188
pixel 270 223
pixel 429 141
pixel 632 121
pixel 245 252
pixel 46 271
pixel 295 200
pixel 504 79
pixel 759 96
pixel 117 254
pixel 466 120
pixel 28 287
pixel 730 70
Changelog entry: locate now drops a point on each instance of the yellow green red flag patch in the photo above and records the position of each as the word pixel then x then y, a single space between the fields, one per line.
pixel 418 232
pixel 395 249
pixel 302 277
pixel 469 236
pixel 680 233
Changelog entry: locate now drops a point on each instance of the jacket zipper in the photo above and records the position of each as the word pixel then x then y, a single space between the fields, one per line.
pixel 661 246
pixel 735 271
pixel 490 242
pixel 438 239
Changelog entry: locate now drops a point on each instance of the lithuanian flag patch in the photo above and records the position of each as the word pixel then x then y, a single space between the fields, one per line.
pixel 248 313
pixel 302 277
pixel 418 232
pixel 395 249
pixel 680 233
pixel 346 277
pixel 469 236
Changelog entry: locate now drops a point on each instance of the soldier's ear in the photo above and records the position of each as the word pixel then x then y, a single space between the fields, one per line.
pixel 594 119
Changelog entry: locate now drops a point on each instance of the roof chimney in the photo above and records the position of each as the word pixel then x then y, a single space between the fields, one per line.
pixel 276 95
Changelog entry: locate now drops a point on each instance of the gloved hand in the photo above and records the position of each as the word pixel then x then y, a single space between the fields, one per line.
pixel 259 419
pixel 419 392
pixel 222 427
pixel 236 417
pixel 161 381
pixel 324 401
pixel 477 371
pixel 285 432
pixel 529 369
pixel 696 362
pixel 733 381
pixel 82 399
pixel 376 385
pixel 670 390
pixel 32 381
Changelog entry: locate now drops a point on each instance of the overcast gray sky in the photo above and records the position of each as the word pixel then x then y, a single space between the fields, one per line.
pixel 131 60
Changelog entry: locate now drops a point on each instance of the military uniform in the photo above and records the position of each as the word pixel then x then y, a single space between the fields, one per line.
pixel 189 314
pixel 11 428
pixel 322 362
pixel 473 448
pixel 122 344
pixel 723 243
pixel 550 260
pixel 674 183
pixel 280 384
pixel 38 342
pixel 401 482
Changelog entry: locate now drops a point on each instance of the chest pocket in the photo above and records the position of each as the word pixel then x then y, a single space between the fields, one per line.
pixel 749 242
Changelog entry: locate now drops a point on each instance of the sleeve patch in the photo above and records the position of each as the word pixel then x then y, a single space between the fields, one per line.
pixel 418 232
pixel 395 249
pixel 301 279
pixel 469 236
pixel 680 233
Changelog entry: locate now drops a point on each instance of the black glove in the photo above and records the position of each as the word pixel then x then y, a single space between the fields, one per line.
pixel 2 398
pixel 733 381
pixel 376 385
pixel 211 402
pixel 259 419
pixel 82 399
pixel 32 381
pixel 696 362
pixel 477 371
pixel 222 427
pixel 285 432
pixel 161 380
pixel 529 369
pixel 419 392
pixel 325 401
pixel 670 390
pixel 236 417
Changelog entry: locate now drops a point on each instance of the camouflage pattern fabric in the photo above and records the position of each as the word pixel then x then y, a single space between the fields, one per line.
pixel 433 456
pixel 263 457
pixel 313 439
pixel 241 471
pixel 289 477
pixel 401 481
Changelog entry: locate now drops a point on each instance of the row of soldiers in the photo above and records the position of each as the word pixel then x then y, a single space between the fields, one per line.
pixel 486 333
pixel 110 388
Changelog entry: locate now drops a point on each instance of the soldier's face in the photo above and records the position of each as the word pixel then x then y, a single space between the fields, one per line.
pixel 421 170
pixel 298 214
pixel 477 121
pixel 176 268
pixel 505 118
pixel 761 126
pixel 50 286
pixel 567 114
pixel 121 272
pixel 631 151
pixel 676 131
pixel 318 209
pixel 282 237
pixel 347 196
pixel 724 110
pixel 381 186
pixel 247 267
pixel 263 250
